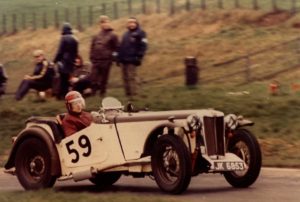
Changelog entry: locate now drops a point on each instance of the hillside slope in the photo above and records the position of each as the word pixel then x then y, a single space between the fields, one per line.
pixel 210 36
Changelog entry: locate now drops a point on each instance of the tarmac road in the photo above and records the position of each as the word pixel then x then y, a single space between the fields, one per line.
pixel 274 185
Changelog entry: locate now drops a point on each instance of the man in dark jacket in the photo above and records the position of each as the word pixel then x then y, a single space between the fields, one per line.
pixel 103 49
pixel 66 54
pixel 3 79
pixel 40 80
pixel 131 53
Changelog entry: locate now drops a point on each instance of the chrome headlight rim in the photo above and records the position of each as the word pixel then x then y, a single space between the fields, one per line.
pixel 194 122
pixel 231 121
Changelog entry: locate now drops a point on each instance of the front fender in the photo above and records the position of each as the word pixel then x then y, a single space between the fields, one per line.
pixel 153 135
pixel 36 132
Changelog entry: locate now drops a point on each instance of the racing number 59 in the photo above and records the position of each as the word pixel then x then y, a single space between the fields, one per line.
pixel 83 142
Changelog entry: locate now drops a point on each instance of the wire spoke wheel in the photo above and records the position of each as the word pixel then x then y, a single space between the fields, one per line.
pixel 33 165
pixel 244 145
pixel 171 164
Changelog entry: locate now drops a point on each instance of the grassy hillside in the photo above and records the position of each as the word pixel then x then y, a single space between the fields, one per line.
pixel 212 36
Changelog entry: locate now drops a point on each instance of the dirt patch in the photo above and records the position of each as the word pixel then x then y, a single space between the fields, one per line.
pixel 273 18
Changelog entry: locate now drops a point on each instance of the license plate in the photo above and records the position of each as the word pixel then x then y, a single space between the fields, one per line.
pixel 229 166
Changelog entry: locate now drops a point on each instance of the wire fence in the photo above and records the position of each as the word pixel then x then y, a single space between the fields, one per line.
pixel 250 67
pixel 84 16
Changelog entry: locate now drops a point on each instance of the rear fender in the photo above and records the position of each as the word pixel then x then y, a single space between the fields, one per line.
pixel 41 133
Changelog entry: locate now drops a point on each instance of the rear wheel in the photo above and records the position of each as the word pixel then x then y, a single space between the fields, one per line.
pixel 171 164
pixel 105 179
pixel 244 145
pixel 33 165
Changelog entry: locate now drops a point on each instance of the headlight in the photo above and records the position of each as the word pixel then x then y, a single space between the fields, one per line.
pixel 231 121
pixel 194 122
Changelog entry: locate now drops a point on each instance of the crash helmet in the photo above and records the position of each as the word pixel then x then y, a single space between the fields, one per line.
pixel 73 98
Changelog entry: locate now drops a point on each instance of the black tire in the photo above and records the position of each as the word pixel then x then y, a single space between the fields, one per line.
pixel 171 164
pixel 103 180
pixel 245 145
pixel 33 165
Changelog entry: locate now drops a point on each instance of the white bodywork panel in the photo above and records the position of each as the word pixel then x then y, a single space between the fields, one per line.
pixel 105 149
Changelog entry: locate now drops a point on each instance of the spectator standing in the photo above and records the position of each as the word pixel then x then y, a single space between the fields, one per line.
pixel 66 55
pixel 40 80
pixel 3 80
pixel 131 52
pixel 103 49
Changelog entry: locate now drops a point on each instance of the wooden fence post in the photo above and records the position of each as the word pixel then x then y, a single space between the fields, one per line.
pixel 104 9
pixel 56 19
pixel 203 4
pixel 144 7
pixel 274 5
pixel 255 5
pixel 14 23
pixel 248 69
pixel 78 16
pixel 158 6
pixel 237 4
pixel 67 18
pixel 33 21
pixel 116 10
pixel 220 4
pixel 129 3
pixel 23 21
pixel 188 5
pixel 91 16
pixel 45 21
pixel 4 29
pixel 172 7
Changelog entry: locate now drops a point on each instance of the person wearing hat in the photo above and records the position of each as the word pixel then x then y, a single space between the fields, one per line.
pixel 76 119
pixel 131 52
pixel 65 56
pixel 40 79
pixel 103 50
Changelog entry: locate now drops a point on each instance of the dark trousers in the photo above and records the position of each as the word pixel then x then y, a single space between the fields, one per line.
pixel 129 78
pixel 99 76
pixel 26 85
pixel 64 85
pixel 82 84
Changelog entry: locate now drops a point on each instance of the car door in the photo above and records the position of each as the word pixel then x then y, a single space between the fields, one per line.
pixel 96 144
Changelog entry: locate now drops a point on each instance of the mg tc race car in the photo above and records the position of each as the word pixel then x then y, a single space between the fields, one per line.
pixel 170 146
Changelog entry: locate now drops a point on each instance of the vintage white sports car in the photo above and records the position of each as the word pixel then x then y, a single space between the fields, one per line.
pixel 170 146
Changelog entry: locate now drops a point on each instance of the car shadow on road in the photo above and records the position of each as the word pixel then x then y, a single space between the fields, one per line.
pixel 141 189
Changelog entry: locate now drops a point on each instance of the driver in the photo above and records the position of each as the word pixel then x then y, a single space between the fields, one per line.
pixel 76 119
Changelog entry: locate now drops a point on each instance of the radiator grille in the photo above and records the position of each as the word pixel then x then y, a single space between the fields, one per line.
pixel 214 135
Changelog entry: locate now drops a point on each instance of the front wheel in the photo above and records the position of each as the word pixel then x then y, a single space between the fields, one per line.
pixel 171 164
pixel 244 145
pixel 33 165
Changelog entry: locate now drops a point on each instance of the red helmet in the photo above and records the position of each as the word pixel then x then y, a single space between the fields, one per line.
pixel 73 97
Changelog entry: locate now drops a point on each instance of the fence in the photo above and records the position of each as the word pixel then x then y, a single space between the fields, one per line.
pixel 247 68
pixel 85 16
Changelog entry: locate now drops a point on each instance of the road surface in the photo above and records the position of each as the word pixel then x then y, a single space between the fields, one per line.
pixel 273 185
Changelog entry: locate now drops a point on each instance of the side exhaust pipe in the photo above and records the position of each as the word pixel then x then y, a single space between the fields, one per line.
pixel 83 175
